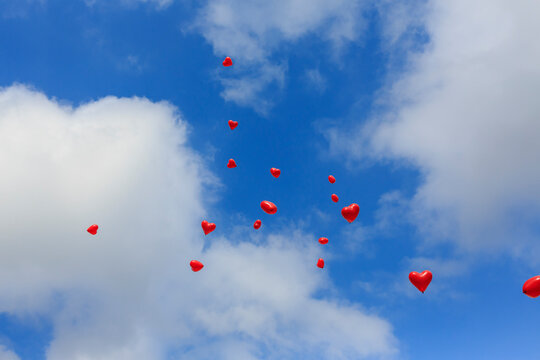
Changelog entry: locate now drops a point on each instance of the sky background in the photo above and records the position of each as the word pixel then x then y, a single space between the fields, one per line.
pixel 115 113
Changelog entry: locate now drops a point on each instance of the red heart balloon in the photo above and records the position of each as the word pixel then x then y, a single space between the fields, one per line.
pixel 231 164
pixel 350 212
pixel 275 172
pixel 320 263
pixel 208 227
pixel 257 224
pixel 233 124
pixel 196 265
pixel 269 207
pixel 323 240
pixel 335 198
pixel 227 61
pixel 331 179
pixel 532 287
pixel 93 229
pixel 422 280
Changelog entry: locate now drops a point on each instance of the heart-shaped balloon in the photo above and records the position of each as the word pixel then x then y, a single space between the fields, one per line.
pixel 275 172
pixel 196 265
pixel 269 207
pixel 257 224
pixel 331 179
pixel 323 240
pixel 320 263
pixel 208 227
pixel 532 287
pixel 227 61
pixel 231 164
pixel 350 212
pixel 335 198
pixel 421 280
pixel 233 124
pixel 93 229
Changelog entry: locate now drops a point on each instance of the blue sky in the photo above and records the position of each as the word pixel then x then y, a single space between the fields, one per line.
pixel 430 127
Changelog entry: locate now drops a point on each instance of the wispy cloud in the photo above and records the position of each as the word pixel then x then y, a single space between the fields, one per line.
pixel 254 32
pixel 6 354
pixel 315 80
pixel 159 4
pixel 131 63
pixel 20 8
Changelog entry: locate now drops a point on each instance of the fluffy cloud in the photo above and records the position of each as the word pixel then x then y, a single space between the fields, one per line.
pixel 128 292
pixel 465 113
pixel 252 32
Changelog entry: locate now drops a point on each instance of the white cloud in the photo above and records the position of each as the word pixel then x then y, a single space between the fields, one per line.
pixel 253 32
pixel 316 80
pixel 131 64
pixel 6 354
pixel 465 113
pixel 19 9
pixel 160 4
pixel 128 292
pixel 246 89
